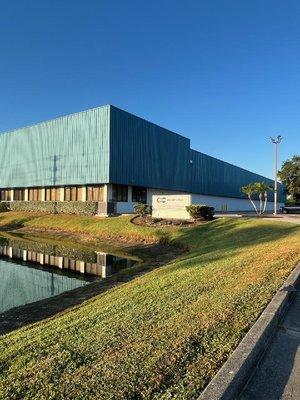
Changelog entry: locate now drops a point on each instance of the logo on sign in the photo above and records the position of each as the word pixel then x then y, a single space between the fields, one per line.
pixel 161 200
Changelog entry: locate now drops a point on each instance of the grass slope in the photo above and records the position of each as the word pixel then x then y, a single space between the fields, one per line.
pixel 116 228
pixel 163 335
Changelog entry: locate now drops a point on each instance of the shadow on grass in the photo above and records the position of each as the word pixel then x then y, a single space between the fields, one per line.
pixel 14 224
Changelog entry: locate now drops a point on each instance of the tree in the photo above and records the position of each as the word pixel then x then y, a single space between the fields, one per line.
pixel 290 177
pixel 262 189
pixel 250 190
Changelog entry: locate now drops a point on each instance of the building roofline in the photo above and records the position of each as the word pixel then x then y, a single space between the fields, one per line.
pixel 233 165
pixel 87 110
pixel 129 113
pixel 150 122
pixel 54 119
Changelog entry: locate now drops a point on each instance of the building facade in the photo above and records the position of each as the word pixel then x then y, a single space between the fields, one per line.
pixel 110 156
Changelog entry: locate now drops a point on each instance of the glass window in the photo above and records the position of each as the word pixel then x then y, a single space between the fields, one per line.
pixel 33 194
pixel 57 194
pixel 40 194
pixel 73 193
pixel 19 195
pixel 5 195
pixel 48 194
pixel 95 193
pixel 139 194
pixel 52 194
pixel 120 193
pixel 67 194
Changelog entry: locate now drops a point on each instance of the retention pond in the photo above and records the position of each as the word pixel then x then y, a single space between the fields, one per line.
pixel 33 270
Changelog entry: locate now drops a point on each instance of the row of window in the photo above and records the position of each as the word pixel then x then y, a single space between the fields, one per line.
pixel 75 193
pixel 120 194
pixel 70 193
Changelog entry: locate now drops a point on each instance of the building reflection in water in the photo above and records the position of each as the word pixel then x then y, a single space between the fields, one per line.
pixel 104 264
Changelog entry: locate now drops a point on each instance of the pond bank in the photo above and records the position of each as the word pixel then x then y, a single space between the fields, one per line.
pixel 18 229
pixel 50 307
pixel 112 230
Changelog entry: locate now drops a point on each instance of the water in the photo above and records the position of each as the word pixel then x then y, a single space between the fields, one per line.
pixel 33 270
pixel 23 284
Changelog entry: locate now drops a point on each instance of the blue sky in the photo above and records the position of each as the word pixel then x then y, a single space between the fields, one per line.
pixel 224 73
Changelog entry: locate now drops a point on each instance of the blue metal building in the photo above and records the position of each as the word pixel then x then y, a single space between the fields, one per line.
pixel 111 156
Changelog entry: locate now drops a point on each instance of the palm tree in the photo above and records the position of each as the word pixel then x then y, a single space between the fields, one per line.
pixel 265 187
pixel 250 190
pixel 260 189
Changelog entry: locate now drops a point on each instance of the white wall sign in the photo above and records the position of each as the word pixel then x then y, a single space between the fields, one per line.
pixel 171 206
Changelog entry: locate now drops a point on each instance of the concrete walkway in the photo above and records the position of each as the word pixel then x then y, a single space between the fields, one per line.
pixel 294 218
pixel 278 374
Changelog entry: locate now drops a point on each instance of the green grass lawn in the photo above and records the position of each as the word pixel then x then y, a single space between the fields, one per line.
pixel 115 228
pixel 163 335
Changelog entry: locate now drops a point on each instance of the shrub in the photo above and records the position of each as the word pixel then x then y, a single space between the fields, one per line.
pixel 3 207
pixel 77 207
pixel 56 207
pixel 142 209
pixel 164 237
pixel 200 211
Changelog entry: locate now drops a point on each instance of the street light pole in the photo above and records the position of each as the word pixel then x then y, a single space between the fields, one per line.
pixel 276 142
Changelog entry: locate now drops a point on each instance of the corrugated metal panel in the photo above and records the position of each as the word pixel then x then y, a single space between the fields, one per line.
pixel 68 150
pixel 107 144
pixel 218 178
pixel 142 153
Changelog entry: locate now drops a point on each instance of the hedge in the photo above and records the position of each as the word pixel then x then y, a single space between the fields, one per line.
pixel 52 207
pixel 4 207
pixel 200 211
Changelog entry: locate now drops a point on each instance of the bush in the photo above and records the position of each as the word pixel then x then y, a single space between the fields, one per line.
pixel 4 207
pixel 200 211
pixel 164 237
pixel 77 207
pixel 55 207
pixel 142 209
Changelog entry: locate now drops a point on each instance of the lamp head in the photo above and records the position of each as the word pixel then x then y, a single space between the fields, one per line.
pixel 276 140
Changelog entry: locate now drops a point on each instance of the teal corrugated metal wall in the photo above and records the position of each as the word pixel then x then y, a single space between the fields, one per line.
pixel 68 150
pixel 145 154
pixel 218 178
pixel 107 144
pixel 142 153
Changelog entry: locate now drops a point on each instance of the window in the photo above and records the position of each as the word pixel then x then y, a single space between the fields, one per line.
pixel 52 194
pixel 5 194
pixel 33 194
pixel 67 194
pixel 95 193
pixel 120 193
pixel 19 195
pixel 48 194
pixel 73 193
pixel 139 194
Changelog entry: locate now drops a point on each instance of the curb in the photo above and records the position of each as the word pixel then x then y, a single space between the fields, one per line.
pixel 235 373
